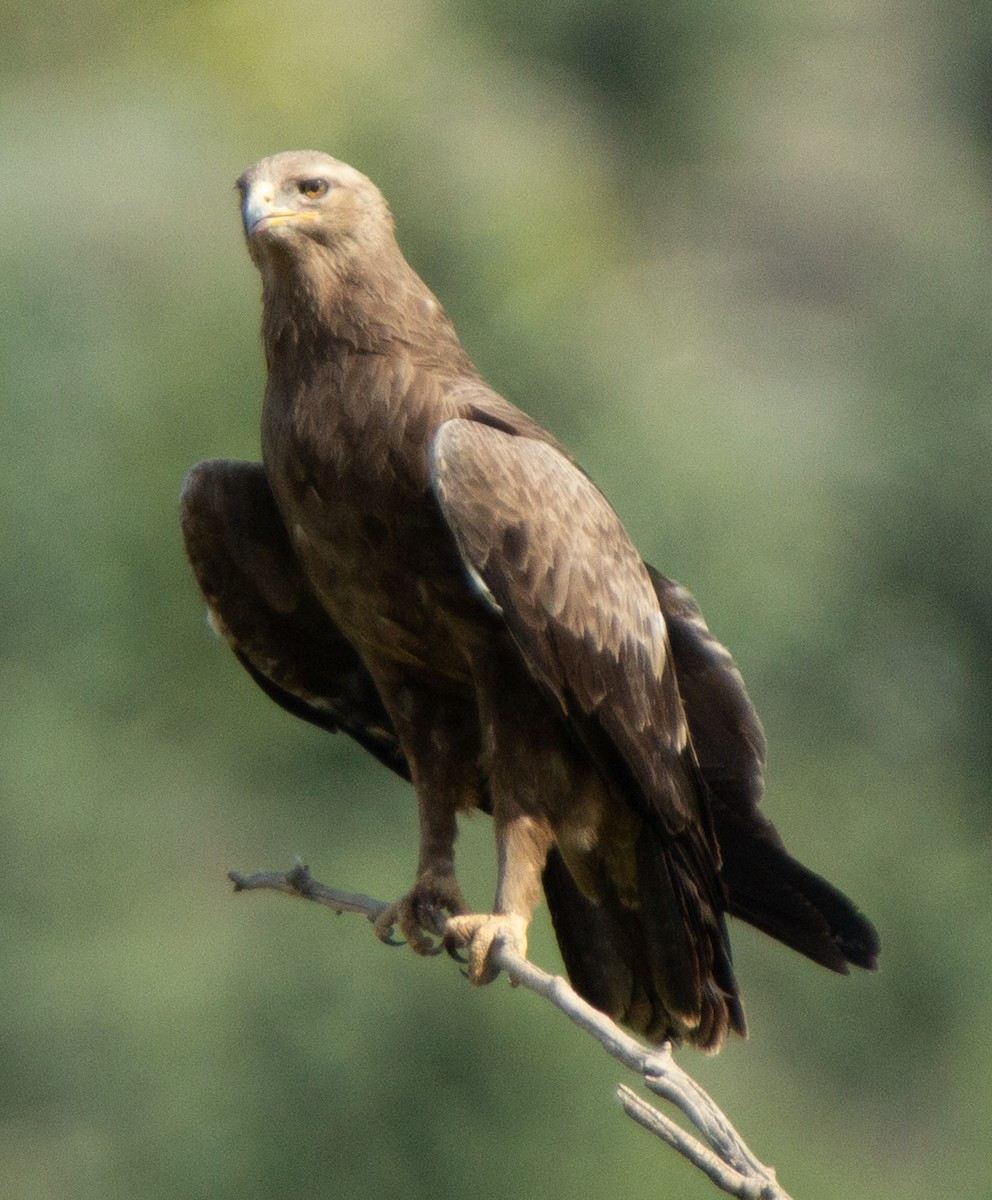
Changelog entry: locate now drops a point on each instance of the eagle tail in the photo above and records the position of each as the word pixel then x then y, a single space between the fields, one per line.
pixel 661 969
pixel 770 890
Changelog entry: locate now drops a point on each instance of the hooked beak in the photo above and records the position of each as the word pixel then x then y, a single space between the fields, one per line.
pixel 259 213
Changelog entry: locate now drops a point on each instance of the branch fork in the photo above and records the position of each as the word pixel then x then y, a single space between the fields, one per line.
pixel 718 1150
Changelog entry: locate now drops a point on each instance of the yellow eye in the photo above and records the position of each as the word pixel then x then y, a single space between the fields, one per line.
pixel 313 189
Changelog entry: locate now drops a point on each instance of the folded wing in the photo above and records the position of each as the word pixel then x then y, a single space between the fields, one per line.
pixel 547 552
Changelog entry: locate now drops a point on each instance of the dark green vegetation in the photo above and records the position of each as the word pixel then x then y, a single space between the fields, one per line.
pixel 741 264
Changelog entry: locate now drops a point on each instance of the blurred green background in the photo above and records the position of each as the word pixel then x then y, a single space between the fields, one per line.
pixel 738 257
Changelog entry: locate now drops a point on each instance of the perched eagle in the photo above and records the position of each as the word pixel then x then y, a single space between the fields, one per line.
pixel 418 563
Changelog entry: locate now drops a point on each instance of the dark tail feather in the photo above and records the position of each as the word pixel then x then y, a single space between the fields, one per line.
pixel 598 946
pixel 769 889
pixel 649 968
pixel 686 939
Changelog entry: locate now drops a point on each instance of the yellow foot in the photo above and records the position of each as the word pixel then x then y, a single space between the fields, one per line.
pixel 423 911
pixel 482 933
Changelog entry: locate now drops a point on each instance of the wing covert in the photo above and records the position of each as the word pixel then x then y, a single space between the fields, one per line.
pixel 549 552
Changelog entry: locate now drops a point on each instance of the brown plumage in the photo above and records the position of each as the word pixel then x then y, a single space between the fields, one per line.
pixel 419 564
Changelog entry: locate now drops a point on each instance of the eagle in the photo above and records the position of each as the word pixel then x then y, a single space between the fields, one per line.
pixel 417 563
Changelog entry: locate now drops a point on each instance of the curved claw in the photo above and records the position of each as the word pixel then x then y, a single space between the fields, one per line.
pixel 454 951
pixel 415 939
pixel 383 927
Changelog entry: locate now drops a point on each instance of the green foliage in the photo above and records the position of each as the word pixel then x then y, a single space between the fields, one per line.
pixel 738 258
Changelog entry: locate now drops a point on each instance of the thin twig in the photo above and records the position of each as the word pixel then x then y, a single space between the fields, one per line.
pixel 719 1151
pixel 299 882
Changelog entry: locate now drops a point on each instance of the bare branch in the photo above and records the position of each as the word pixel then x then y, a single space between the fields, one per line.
pixel 719 1151
pixel 299 882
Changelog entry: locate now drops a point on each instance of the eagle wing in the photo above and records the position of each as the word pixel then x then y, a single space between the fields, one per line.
pixel 548 553
pixel 766 886
pixel 261 603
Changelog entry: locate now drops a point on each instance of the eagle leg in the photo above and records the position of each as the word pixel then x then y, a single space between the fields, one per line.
pixel 524 842
pixel 441 748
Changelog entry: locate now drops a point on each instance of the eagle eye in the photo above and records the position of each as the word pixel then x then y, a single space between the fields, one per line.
pixel 313 189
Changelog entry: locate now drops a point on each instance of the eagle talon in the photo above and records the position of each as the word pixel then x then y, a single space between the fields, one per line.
pixel 384 925
pixel 388 940
pixel 429 917
pixel 482 934
pixel 420 915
